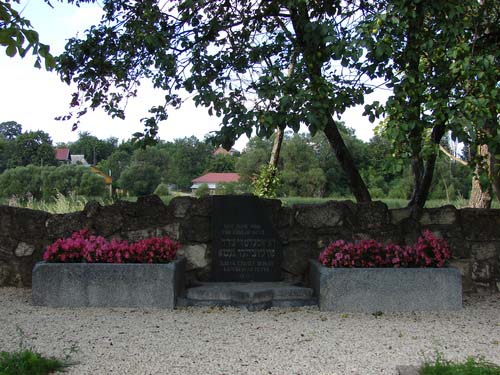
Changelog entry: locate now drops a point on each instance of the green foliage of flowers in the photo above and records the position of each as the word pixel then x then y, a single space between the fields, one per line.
pixel 267 182
pixel 470 367
pixel 27 362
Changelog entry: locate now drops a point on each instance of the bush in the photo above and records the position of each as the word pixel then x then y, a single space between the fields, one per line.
pixel 226 188
pixel 428 251
pixel 87 248
pixel 162 190
pixel 92 185
pixel 140 179
pixel 267 182
pixel 202 191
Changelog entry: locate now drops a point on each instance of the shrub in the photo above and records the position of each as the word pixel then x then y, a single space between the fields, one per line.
pixel 92 185
pixel 162 190
pixel 226 188
pixel 428 251
pixel 140 179
pixel 85 247
pixel 267 182
pixel 202 191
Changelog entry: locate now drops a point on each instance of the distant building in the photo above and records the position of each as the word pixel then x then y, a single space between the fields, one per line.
pixel 223 151
pixel 212 179
pixel 79 160
pixel 63 155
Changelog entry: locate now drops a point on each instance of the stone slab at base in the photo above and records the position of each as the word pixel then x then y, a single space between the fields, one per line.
pixel 386 289
pixel 108 285
pixel 252 296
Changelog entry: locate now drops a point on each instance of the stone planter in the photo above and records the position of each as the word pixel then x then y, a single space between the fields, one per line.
pixel 386 289
pixel 108 285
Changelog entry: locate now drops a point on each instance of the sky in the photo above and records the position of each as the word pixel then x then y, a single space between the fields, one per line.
pixel 34 97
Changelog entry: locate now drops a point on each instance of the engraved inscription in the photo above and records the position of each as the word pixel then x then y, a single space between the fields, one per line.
pixel 244 245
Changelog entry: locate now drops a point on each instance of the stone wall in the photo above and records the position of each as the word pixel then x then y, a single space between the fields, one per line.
pixel 474 234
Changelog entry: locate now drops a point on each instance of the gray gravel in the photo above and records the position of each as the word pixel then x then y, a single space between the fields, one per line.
pixel 228 341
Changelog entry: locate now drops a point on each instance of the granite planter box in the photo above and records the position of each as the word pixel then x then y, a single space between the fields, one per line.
pixel 386 289
pixel 108 285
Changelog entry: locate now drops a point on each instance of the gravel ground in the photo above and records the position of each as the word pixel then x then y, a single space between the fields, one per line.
pixel 228 341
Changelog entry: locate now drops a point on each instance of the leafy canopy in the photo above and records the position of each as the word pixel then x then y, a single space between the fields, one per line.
pixel 256 66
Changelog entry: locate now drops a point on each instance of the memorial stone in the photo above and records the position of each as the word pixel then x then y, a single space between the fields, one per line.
pixel 244 243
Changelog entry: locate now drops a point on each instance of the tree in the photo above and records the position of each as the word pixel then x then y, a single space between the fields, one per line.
pixel 9 130
pixel 301 174
pixel 222 163
pixel 93 148
pixel 255 154
pixel 140 179
pixel 18 36
pixel 425 54
pixel 234 57
pixel 115 164
pixel 189 159
pixel 32 147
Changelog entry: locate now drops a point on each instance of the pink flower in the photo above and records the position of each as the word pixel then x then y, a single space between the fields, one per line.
pixel 84 247
pixel 428 251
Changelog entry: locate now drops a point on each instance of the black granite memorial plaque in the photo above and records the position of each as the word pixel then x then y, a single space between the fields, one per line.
pixel 244 244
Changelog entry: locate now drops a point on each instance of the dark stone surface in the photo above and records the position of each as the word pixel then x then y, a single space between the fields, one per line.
pixel 245 246
pixel 479 224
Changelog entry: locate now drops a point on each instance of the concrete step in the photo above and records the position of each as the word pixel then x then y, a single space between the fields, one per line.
pixel 253 296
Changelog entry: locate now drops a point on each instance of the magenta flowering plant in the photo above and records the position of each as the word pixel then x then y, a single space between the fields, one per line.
pixel 85 247
pixel 428 251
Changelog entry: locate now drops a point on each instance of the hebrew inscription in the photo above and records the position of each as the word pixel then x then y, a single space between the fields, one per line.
pixel 245 247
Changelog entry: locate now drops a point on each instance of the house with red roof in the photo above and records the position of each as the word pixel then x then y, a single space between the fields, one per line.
pixel 212 179
pixel 63 155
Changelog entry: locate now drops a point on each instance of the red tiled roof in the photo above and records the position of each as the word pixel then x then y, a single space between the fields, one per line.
pixel 62 154
pixel 217 177
pixel 221 151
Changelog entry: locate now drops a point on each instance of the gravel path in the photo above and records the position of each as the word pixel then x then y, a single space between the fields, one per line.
pixel 227 341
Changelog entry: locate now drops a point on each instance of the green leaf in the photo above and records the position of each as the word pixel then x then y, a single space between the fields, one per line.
pixel 11 50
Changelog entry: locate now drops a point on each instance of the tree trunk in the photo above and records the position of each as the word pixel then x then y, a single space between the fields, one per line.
pixel 275 153
pixel 356 183
pixel 300 19
pixel 479 197
pixel 424 172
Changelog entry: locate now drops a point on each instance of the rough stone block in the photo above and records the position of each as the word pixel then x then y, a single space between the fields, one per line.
pixel 386 289
pixel 196 256
pixel 180 206
pixel 465 268
pixel 107 285
pixel 196 229
pixel 331 214
pixel 371 215
pixel 24 250
pixel 484 250
pixel 480 224
pixel 482 271
pixel 170 230
pixel 446 215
